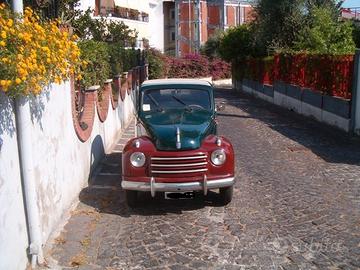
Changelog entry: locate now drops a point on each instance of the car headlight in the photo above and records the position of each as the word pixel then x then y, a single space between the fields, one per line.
pixel 137 159
pixel 218 157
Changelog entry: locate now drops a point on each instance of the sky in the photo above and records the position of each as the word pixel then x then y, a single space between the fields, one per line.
pixel 351 3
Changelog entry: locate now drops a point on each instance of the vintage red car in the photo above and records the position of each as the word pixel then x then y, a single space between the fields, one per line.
pixel 177 148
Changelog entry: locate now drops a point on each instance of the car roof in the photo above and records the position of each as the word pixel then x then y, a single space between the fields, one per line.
pixel 177 82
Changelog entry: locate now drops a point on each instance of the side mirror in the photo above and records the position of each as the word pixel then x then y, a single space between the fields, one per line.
pixel 220 107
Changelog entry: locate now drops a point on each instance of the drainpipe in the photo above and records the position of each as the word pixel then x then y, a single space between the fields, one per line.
pixel 23 128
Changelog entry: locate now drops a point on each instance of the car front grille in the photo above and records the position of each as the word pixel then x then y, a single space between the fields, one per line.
pixel 173 166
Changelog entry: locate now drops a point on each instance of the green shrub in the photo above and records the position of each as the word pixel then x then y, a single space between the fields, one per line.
pixel 211 46
pixel 131 58
pixel 121 59
pixel 116 63
pixel 254 68
pixel 236 43
pixel 96 55
pixel 157 63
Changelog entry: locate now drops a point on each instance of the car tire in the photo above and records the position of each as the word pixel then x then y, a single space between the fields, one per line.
pixel 226 195
pixel 131 198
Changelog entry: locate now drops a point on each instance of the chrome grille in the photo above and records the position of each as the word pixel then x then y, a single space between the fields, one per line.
pixel 179 165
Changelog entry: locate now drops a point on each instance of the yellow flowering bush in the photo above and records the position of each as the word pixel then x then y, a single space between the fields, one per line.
pixel 34 53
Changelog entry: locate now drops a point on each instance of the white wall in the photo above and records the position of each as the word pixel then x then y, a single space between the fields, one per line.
pixel 13 231
pixel 156 25
pixel 62 165
pixel 85 4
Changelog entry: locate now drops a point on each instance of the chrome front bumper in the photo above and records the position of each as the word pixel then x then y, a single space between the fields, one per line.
pixel 154 187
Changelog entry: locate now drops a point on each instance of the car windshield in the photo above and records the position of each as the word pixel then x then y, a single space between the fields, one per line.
pixel 160 99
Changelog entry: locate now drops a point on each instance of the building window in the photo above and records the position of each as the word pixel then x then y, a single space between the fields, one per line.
pixel 172 36
pixel 172 14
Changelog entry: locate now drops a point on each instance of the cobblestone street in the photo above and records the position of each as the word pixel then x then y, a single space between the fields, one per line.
pixel 296 204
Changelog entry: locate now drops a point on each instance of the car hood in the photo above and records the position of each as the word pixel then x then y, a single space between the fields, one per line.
pixel 193 126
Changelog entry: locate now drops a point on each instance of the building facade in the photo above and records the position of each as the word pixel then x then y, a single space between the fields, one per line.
pixel 351 13
pixel 194 21
pixel 143 16
pixel 169 27
pixel 176 27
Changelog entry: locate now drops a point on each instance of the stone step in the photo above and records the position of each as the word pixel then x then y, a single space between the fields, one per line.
pixel 109 174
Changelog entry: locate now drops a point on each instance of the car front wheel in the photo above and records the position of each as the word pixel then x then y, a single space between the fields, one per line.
pixel 226 195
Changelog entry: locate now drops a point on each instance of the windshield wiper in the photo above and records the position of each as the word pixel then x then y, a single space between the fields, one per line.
pixel 179 100
pixel 187 108
pixel 155 102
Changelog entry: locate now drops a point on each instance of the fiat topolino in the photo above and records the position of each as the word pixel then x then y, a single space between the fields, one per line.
pixel 176 148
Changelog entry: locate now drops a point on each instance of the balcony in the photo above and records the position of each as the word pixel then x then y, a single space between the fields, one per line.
pixel 123 13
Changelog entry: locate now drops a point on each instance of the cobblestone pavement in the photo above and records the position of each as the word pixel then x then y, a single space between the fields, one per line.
pixel 296 205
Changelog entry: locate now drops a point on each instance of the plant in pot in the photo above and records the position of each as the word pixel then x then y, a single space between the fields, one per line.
pixel 67 12
pixel 122 12
pixel 134 14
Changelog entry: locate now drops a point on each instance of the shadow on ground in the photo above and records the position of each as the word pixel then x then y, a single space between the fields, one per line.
pixel 328 143
pixel 105 194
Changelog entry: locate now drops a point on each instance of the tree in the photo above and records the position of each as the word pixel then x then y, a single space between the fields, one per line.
pixel 332 5
pixel 277 23
pixel 236 43
pixel 157 63
pixel 86 27
pixel 64 10
pixel 356 34
pixel 120 33
pixel 324 34
pixel 211 47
